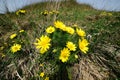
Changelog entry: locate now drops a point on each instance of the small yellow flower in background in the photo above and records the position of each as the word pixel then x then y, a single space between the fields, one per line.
pixel 76 56
pixel 70 30
pixel 60 25
pixel 13 36
pixel 47 78
pixel 106 14
pixel 43 43
pixel 15 48
pixel 65 53
pixel 80 32
pixel 45 13
pixel 71 46
pixel 50 29
pixel 42 74
pixel 83 45
pixel 20 12
pixel 21 31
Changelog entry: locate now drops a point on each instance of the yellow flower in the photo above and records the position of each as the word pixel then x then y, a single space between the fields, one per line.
pixel 83 45
pixel 80 32
pixel 47 78
pixel 70 30
pixel 71 46
pixel 15 48
pixel 50 29
pixel 21 31
pixel 43 43
pixel 42 74
pixel 13 36
pixel 20 11
pixel 60 25
pixel 76 56
pixel 45 13
pixel 65 53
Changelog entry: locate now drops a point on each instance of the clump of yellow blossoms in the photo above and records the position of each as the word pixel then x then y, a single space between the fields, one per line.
pixel 62 43
pixel 20 12
pixel 46 12
pixel 15 48
pixel 106 14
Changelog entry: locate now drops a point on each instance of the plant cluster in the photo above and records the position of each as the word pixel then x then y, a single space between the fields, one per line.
pixel 106 14
pixel 16 43
pixel 46 12
pixel 62 43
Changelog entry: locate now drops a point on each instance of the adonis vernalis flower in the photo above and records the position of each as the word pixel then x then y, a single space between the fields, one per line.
pixel 15 48
pixel 43 43
pixel 71 46
pixel 47 78
pixel 70 30
pixel 60 25
pixel 20 12
pixel 21 31
pixel 65 53
pixel 80 32
pixel 83 45
pixel 42 74
pixel 50 29
pixel 13 36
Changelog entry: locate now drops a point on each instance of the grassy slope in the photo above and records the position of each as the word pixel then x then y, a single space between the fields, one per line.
pixel 70 13
pixel 102 29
